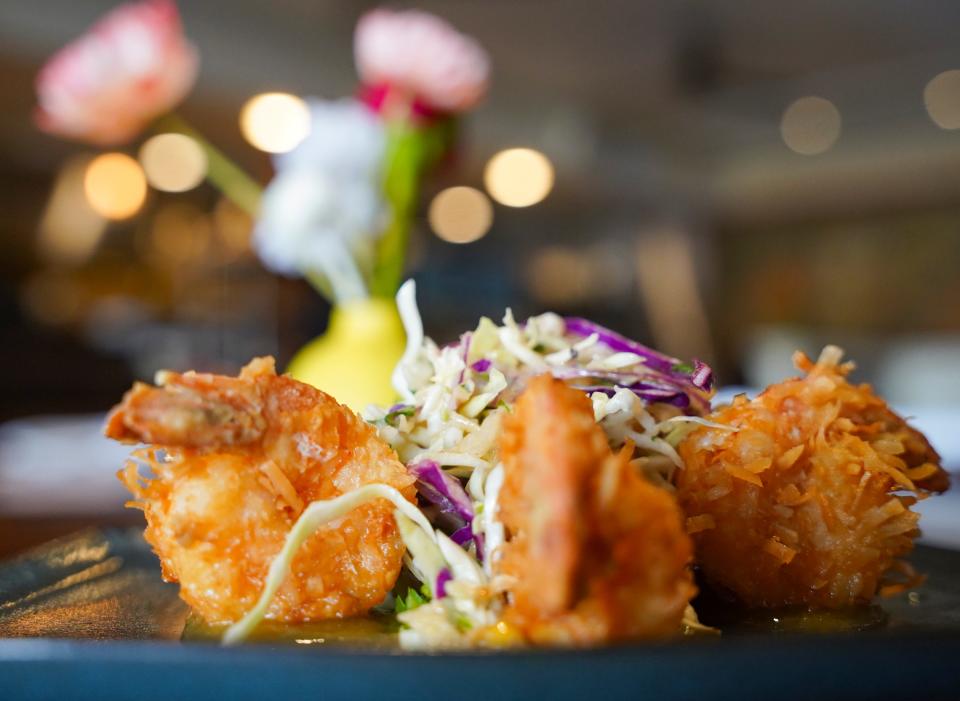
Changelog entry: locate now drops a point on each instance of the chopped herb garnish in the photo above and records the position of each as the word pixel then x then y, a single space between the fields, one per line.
pixel 412 600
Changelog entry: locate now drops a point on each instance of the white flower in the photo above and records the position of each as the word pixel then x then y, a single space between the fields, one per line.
pixel 324 210
pixel 346 137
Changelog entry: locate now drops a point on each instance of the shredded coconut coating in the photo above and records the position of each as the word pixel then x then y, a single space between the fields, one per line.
pixel 808 501
pixel 241 458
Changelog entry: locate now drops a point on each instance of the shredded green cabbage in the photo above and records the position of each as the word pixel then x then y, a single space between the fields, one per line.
pixel 425 556
pixel 413 326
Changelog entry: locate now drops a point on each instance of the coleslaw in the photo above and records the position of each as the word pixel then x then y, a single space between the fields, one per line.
pixel 446 428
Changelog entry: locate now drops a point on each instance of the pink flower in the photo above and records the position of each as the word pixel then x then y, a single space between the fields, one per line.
pixel 130 67
pixel 418 53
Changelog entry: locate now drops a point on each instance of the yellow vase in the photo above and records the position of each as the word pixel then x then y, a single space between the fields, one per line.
pixel 354 359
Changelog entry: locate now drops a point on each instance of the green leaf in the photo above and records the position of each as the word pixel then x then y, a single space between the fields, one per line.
pixel 683 367
pixel 412 600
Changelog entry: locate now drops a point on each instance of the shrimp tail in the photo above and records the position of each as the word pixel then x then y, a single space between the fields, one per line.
pixel 188 411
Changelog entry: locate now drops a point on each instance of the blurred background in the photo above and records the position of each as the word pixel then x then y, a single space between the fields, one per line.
pixel 727 180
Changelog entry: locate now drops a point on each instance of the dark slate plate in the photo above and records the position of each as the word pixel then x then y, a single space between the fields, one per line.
pixel 87 617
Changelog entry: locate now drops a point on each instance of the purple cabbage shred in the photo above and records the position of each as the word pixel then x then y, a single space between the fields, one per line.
pixel 443 576
pixel 444 490
pixel 481 365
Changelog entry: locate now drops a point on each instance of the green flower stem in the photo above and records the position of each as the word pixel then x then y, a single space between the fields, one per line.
pixel 222 172
pixel 404 162
pixel 412 149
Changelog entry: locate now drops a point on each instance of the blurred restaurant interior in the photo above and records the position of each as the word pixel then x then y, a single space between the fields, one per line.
pixel 723 180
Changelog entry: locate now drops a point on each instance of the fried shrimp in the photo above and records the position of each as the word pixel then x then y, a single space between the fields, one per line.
pixel 807 500
pixel 594 553
pixel 234 462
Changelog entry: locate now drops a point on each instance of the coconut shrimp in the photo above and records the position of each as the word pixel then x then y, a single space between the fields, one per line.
pixel 234 462
pixel 806 501
pixel 594 553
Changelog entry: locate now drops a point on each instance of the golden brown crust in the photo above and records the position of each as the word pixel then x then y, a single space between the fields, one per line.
pixel 805 503
pixel 596 554
pixel 245 455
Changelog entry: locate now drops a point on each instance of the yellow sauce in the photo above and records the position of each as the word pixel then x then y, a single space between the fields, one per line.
pixel 379 631
pixel 799 620
pixel 374 632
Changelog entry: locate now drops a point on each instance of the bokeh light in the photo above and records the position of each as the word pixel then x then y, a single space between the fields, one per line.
pixel 181 235
pixel 941 97
pixel 519 177
pixel 460 214
pixel 561 276
pixel 810 125
pixel 234 229
pixel 173 162
pixel 275 122
pixel 69 230
pixel 115 185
